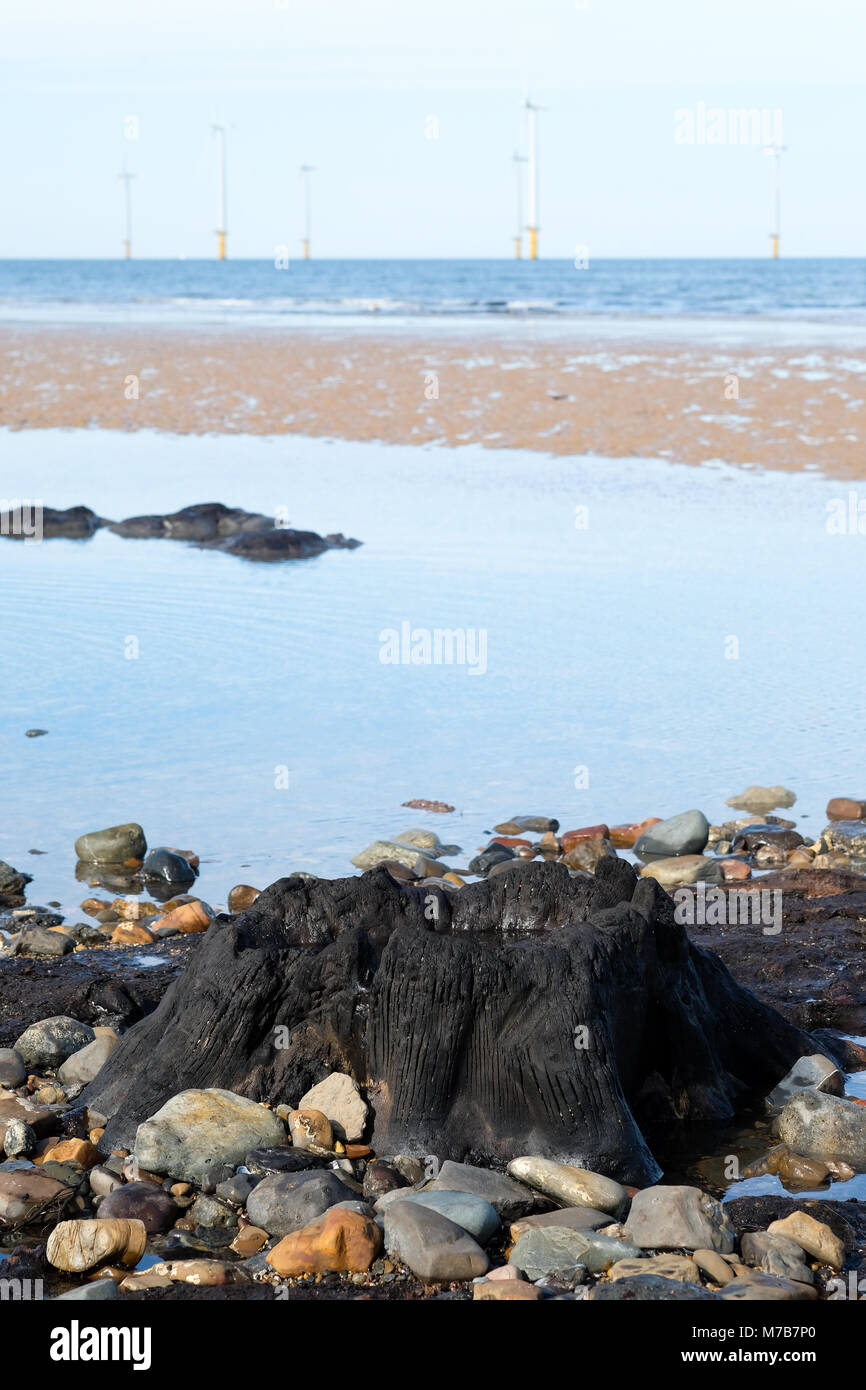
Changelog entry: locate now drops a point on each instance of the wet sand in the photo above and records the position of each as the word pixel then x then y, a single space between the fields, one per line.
pixel 778 407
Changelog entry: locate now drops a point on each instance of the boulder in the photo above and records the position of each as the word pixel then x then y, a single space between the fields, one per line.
pixel 198 1128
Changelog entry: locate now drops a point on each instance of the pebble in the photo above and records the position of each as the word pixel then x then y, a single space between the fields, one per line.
pixel 773 1253
pixel 310 1129
pixel 823 1126
pixel 683 870
pixel 285 1202
pixel 342 1241
pixel 241 897
pixel 84 1065
pixel 511 1199
pixel 625 836
pixel 712 1264
pixel 846 808
pixel 678 1267
pixel 434 1248
pixel 578 1187
pixel 686 833
pixel 762 1288
pixel 12 1069
pixel 495 1290
pixel 813 1236
pixel 188 918
pixel 76 1246
pixel 155 1208
pixel 760 799
pixel 478 1217
pixel 339 1098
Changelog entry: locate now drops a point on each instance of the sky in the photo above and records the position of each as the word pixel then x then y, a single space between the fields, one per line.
pixel 411 112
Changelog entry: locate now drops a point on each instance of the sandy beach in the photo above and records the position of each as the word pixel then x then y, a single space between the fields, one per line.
pixel 790 407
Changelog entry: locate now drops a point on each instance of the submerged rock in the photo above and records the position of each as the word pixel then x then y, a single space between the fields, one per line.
pixel 116 845
pixel 760 799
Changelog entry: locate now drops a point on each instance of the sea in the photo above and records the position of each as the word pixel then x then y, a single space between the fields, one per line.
pixel 656 636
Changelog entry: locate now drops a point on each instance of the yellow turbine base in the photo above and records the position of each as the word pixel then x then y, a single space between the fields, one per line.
pixel 127 250
pixel 775 241
pixel 221 246
pixel 518 248
pixel 533 243
pixel 306 246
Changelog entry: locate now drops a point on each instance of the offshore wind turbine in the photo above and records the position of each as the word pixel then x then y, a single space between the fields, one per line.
pixel 775 151
pixel 532 226
pixel 517 160
pixel 127 202
pixel 306 171
pixel 222 217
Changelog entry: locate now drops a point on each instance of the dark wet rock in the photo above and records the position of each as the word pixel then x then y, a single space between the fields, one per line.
pixel 362 978
pixel 381 1178
pixel 35 733
pixel 774 1254
pixel 42 941
pixel 142 1201
pixel 283 1159
pixel 217 1173
pixel 169 867
pixel 814 969
pixel 509 1198
pixel 116 845
pixel 816 1073
pixel 847 1055
pixel 75 523
pixel 494 854
pixel 12 885
pixel 17 918
pixel 849 836
pixel 757 836
pixel 238 1187
pixel 250 535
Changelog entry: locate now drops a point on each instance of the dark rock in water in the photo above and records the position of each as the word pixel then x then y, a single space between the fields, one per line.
pixel 489 858
pixel 686 833
pixel 75 523
pixel 171 868
pixel 357 976
pixel 758 835
pixel 116 845
pixel 12 885
pixel 22 918
pixel 250 535
pixel 35 733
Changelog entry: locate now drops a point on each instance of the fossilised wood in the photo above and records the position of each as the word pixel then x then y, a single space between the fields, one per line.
pixel 536 1012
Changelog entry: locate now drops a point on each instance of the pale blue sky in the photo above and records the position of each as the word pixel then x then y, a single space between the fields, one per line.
pixel 348 85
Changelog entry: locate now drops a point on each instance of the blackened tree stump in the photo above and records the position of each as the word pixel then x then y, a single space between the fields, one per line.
pixel 533 1013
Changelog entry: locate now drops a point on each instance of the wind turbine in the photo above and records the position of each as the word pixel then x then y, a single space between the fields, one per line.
pixel 517 160
pixel 306 171
pixel 127 199
pixel 532 109
pixel 775 151
pixel 222 228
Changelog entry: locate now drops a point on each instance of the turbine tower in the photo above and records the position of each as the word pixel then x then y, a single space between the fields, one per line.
pixel 222 227
pixel 775 151
pixel 517 160
pixel 306 171
pixel 127 200
pixel 532 111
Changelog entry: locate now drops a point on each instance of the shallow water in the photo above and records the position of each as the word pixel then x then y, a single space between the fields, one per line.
pixel 605 650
